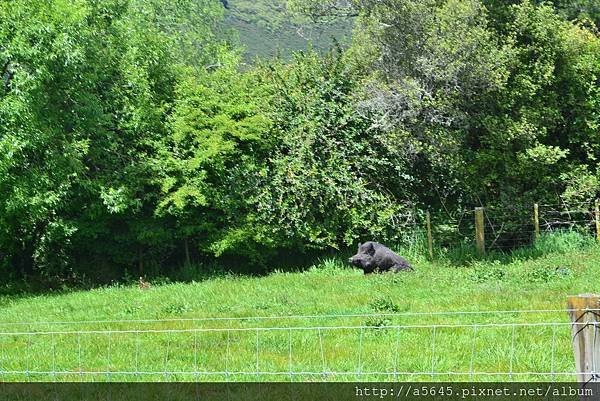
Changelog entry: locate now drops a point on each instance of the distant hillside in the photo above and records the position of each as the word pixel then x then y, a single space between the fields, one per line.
pixel 266 28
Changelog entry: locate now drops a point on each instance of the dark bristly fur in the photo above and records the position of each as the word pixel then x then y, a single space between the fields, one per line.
pixel 375 257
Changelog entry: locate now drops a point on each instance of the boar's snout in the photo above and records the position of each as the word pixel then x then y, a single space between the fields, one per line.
pixel 355 260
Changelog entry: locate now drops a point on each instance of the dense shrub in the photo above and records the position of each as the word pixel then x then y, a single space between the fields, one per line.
pixel 131 138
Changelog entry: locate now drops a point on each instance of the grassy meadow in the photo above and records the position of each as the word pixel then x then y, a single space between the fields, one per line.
pixel 394 326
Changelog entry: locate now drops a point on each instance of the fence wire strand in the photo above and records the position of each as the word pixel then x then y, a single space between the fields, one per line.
pixel 266 356
pixel 288 317
pixel 505 229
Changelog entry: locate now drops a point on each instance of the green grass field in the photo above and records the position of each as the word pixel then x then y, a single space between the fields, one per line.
pixel 124 333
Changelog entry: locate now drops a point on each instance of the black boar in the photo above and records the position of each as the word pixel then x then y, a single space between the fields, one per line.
pixel 375 257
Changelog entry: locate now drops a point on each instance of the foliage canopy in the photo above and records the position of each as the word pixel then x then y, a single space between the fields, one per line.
pixel 132 139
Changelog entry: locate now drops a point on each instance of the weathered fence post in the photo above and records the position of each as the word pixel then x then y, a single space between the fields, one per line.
pixel 597 219
pixel 584 313
pixel 536 220
pixel 429 235
pixel 479 231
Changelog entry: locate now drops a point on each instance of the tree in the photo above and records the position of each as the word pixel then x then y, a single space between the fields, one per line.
pixel 330 179
pixel 213 157
pixel 540 128
pixel 579 10
pixel 492 98
pixel 86 90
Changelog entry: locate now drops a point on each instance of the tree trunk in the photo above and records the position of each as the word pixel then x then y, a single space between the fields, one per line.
pixel 141 261
pixel 187 252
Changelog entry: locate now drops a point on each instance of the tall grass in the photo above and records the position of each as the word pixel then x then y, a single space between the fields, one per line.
pixel 465 252
pixel 539 277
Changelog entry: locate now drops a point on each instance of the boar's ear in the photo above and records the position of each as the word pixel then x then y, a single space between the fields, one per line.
pixel 359 245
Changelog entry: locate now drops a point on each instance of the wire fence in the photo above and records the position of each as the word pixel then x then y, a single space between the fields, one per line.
pixel 505 228
pixel 443 346
pixel 509 345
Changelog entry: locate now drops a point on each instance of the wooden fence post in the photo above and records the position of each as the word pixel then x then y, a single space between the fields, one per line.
pixel 597 219
pixel 479 231
pixel 536 220
pixel 429 235
pixel 583 311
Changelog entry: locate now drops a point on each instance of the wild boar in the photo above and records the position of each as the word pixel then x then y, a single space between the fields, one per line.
pixel 375 257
